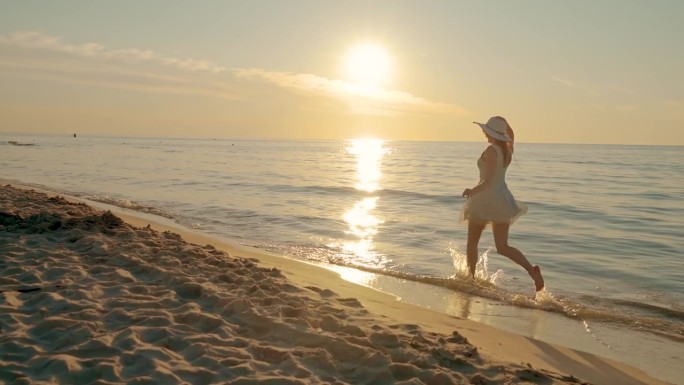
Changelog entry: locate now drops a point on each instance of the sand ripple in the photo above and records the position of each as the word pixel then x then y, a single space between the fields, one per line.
pixel 87 298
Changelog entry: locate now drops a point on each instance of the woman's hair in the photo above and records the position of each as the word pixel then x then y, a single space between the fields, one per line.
pixel 506 147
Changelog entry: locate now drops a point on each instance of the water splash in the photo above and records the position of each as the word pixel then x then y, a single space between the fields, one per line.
pixel 482 274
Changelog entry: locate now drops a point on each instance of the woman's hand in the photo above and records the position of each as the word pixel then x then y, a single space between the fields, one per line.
pixel 468 192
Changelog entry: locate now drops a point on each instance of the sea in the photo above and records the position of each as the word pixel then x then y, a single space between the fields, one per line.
pixel 605 223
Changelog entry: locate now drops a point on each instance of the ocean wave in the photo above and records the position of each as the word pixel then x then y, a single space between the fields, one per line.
pixel 351 192
pixel 665 322
pixel 129 204
pixel 639 316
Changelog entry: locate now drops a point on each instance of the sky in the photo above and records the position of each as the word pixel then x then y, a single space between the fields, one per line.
pixel 583 71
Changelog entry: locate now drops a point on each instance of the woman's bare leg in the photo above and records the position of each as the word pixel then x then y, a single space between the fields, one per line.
pixel 474 233
pixel 501 240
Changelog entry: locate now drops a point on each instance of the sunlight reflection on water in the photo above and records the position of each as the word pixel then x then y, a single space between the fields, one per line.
pixel 363 223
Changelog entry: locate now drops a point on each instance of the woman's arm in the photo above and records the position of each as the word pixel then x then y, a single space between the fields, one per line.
pixel 490 158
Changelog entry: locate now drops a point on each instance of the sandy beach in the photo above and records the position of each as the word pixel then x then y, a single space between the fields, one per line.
pixel 90 296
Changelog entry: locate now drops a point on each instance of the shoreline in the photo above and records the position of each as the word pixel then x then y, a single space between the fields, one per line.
pixel 515 355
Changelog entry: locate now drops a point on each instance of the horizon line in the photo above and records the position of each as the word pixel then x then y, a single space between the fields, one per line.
pixel 277 139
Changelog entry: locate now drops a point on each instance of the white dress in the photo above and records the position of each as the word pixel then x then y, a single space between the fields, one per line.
pixel 495 204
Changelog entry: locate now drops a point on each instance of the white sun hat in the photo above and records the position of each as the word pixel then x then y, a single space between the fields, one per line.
pixel 496 128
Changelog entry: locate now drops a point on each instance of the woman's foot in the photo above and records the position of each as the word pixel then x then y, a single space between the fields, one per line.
pixel 536 275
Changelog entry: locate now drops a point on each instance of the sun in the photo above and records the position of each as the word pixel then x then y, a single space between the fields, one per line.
pixel 368 64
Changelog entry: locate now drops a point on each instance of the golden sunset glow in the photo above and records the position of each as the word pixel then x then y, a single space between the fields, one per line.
pixel 369 153
pixel 368 64
pixel 398 70
pixel 363 224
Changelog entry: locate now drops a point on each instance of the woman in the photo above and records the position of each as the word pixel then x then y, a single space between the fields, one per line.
pixel 490 202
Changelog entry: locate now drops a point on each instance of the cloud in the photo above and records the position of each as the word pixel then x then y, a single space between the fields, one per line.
pixel 674 104
pixel 40 41
pixel 32 53
pixel 593 89
pixel 627 107
pixel 364 99
pixel 612 99
pixel 119 78
pixel 674 109
pixel 37 55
